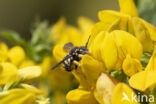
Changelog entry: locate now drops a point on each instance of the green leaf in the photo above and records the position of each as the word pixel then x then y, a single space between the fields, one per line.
pixel 119 75
pixel 147 10
pixel 12 36
pixel 40 43
pixel 145 58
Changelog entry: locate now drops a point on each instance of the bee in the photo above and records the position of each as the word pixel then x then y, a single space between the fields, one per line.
pixel 75 54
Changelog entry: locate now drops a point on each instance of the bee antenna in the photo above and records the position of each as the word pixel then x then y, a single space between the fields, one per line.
pixel 87 41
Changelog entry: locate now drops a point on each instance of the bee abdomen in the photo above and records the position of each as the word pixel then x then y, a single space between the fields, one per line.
pixel 67 64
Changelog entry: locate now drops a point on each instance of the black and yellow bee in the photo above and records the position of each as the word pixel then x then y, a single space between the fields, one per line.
pixel 75 54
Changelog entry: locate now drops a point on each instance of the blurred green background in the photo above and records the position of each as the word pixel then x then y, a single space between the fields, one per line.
pixel 18 15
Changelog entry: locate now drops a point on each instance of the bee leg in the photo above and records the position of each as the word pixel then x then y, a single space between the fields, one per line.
pixel 77 64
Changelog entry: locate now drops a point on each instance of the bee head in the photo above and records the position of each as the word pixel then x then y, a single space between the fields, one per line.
pixel 83 50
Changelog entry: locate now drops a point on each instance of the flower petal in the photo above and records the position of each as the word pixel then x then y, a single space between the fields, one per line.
pixel 29 72
pixel 123 95
pixel 58 52
pixel 80 96
pixel 32 88
pixel 18 96
pixel 8 73
pixel 128 7
pixel 131 66
pixel 118 44
pixel 109 49
pixel 81 78
pixel 27 63
pixel 109 16
pixel 142 34
pixel 46 65
pixel 104 89
pixel 91 68
pixel 152 62
pixel 16 55
pixel 143 80
pixel 96 45
pixel 151 29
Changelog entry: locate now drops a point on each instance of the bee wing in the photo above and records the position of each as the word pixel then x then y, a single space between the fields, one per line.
pixel 68 46
pixel 60 62
pixel 57 65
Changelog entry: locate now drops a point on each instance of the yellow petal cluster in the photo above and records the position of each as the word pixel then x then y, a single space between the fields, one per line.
pixel 8 73
pixel 16 55
pixel 145 79
pixel 118 42
pixel 15 70
pixel 80 96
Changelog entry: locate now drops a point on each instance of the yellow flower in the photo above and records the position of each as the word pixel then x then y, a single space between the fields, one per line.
pixel 129 21
pixel 70 34
pixel 95 46
pixel 28 73
pixel 8 73
pixel 122 90
pixel 104 89
pixel 145 79
pixel 58 52
pixel 131 66
pixel 25 95
pixel 108 24
pixel 119 44
pixel 104 44
pixel 91 69
pixel 86 79
pixel 18 96
pixel 110 91
pixel 16 55
pixel 80 96
pixel 128 7
pixel 142 34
